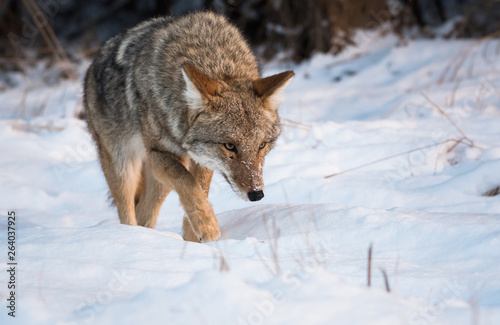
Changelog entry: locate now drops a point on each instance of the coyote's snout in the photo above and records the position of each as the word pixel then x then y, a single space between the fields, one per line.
pixel 169 102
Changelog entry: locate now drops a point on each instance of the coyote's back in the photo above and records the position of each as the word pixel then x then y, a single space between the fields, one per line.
pixel 171 100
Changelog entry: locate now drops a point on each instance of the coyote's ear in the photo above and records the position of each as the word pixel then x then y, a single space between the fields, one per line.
pixel 271 88
pixel 198 86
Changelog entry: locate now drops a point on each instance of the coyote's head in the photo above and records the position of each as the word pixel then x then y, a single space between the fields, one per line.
pixel 233 124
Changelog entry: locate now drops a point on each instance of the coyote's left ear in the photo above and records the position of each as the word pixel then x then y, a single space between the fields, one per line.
pixel 199 87
pixel 271 88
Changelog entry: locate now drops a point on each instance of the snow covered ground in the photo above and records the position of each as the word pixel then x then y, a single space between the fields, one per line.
pixel 299 256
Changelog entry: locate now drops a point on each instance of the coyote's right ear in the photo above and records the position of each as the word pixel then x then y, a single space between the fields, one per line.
pixel 271 88
pixel 199 87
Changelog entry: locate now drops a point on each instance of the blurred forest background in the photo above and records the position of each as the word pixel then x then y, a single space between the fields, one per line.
pixel 69 29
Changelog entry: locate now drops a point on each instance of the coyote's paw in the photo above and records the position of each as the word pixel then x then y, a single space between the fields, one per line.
pixel 205 227
pixel 209 229
pixel 210 235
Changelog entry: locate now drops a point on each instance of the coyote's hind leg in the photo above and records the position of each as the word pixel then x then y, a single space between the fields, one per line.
pixel 150 199
pixel 123 174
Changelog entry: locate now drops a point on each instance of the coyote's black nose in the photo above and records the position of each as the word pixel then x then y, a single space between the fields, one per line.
pixel 255 195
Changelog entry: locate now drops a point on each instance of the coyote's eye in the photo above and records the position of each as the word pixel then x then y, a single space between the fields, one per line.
pixel 230 147
pixel 262 145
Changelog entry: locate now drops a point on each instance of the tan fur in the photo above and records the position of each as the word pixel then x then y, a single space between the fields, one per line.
pixel 265 87
pixel 205 85
pixel 150 200
pixel 167 168
pixel 204 178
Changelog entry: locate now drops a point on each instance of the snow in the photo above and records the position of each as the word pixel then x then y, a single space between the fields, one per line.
pixel 299 256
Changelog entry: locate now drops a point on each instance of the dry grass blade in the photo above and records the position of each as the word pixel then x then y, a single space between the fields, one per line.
pixel 454 145
pixel 22 111
pixel 370 265
pixel 183 250
pixel 436 106
pixel 223 266
pixel 269 269
pixel 386 280
pixel 458 61
pixel 454 92
pixel 396 272
pixel 34 128
pixel 18 60
pixel 273 243
pixel 273 247
pixel 219 256
pixel 294 124
pixel 493 192
pixel 311 111
pixel 393 156
pixel 40 293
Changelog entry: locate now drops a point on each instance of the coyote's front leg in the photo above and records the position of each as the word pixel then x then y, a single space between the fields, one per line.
pixel 204 178
pixel 167 169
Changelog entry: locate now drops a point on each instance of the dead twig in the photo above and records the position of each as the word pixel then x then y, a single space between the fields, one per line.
pixel 50 38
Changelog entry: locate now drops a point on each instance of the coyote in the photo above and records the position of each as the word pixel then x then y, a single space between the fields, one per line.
pixel 170 101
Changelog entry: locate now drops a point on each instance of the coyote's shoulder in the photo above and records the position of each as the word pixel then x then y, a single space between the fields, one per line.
pixel 170 100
